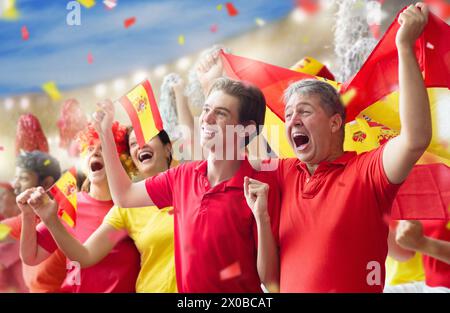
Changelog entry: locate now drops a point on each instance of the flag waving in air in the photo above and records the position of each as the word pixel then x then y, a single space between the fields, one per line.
pixel 65 193
pixel 142 109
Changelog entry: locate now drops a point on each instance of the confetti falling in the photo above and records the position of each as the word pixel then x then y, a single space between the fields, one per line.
pixel 8 10
pixel 260 22
pixel 181 40
pixel 430 46
pixel 232 11
pixel 305 39
pixel 219 7
pixel 234 270
pixel 47 162
pixel 87 3
pixel 309 6
pixel 129 22
pixel 25 33
pixel 348 96
pixel 52 90
pixel 110 4
pixel 375 30
pixel 2 148
pixel 4 231
pixel 90 58
pixel 213 28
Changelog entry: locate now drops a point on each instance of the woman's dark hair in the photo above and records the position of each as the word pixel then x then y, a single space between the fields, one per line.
pixel 163 136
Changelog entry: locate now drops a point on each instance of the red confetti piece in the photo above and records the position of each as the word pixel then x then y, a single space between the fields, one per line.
pixel 375 30
pixel 90 58
pixel 213 28
pixel 25 33
pixel 309 6
pixel 231 271
pixel 232 11
pixel 129 22
pixel 2 148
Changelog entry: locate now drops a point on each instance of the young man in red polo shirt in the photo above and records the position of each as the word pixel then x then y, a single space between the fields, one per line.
pixel 332 234
pixel 219 240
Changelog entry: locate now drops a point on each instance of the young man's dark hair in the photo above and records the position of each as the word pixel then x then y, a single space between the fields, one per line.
pixel 41 163
pixel 252 104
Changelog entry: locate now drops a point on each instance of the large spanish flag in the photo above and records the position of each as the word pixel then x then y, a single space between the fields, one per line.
pixel 142 109
pixel 65 193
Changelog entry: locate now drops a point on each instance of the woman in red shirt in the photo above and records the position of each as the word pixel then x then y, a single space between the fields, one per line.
pixel 118 271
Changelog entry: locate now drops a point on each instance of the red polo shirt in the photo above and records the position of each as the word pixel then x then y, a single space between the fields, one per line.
pixel 331 224
pixel 437 273
pixel 117 272
pixel 215 231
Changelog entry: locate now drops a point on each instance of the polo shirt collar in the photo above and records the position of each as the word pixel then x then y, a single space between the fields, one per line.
pixel 340 161
pixel 237 181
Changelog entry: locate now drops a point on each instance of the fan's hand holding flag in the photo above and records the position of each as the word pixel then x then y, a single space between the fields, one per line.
pixel 144 115
pixel 402 152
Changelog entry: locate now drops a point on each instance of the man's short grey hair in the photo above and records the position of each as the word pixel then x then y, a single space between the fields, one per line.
pixel 329 97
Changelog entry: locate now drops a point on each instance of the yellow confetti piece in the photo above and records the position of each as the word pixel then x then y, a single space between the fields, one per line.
pixel 47 162
pixel 448 225
pixel 260 22
pixel 8 10
pixel 348 96
pixel 305 39
pixel 52 90
pixel 4 231
pixel 359 4
pixel 87 3
pixel 181 40
pixel 219 7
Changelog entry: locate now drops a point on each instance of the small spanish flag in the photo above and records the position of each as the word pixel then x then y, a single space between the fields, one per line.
pixel 65 193
pixel 143 111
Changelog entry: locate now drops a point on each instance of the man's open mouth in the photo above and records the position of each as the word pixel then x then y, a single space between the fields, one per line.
pixel 300 140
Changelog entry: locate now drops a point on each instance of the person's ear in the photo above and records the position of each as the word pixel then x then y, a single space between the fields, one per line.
pixel 47 182
pixel 336 123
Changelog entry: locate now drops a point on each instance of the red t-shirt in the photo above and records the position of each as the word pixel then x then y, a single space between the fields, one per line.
pixel 331 224
pixel 215 231
pixel 45 277
pixel 437 273
pixel 117 272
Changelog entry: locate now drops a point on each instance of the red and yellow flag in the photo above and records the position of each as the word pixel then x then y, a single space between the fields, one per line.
pixel 142 109
pixel 65 193
pixel 371 100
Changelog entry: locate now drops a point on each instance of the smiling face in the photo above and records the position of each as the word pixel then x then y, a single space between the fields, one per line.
pixel 312 133
pixel 220 110
pixel 152 158
pixel 95 164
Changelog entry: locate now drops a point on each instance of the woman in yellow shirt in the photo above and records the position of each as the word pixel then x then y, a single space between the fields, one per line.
pixel 150 228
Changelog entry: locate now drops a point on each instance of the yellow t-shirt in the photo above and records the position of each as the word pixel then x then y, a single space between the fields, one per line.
pixel 152 232
pixel 404 272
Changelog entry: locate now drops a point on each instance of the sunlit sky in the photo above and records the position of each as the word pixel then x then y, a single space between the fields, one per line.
pixel 59 52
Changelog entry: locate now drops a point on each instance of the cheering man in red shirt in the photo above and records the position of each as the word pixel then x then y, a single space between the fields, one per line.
pixel 332 234
pixel 219 241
